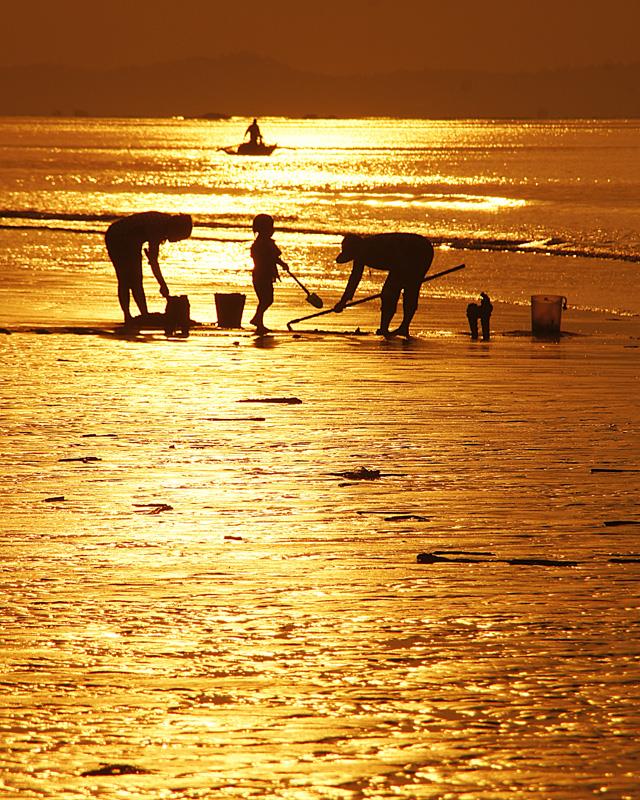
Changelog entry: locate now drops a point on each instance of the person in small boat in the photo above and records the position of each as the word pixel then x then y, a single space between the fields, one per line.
pixel 254 133
pixel 266 258
pixel 125 240
pixel 405 256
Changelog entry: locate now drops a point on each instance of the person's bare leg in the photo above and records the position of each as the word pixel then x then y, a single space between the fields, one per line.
pixel 140 298
pixel 388 305
pixel 265 301
pixel 258 319
pixel 409 307
pixel 123 299
pixel 134 276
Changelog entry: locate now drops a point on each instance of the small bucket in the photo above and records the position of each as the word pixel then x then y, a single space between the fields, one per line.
pixel 546 315
pixel 177 315
pixel 229 308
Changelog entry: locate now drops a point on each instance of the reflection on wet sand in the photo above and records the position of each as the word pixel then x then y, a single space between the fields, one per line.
pixel 208 598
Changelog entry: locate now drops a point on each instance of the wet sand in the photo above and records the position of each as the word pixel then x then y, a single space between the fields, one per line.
pixel 201 591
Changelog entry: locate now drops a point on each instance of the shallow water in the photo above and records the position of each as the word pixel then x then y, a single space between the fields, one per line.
pixel 264 629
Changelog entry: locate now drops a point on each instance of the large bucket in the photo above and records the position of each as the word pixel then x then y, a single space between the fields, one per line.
pixel 229 308
pixel 546 315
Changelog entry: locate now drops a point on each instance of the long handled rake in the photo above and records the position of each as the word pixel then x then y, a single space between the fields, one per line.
pixel 371 297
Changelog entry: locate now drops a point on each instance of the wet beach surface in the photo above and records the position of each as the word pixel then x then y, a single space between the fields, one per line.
pixel 203 596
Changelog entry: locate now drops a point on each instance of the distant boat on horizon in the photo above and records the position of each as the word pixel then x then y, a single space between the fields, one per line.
pixel 250 149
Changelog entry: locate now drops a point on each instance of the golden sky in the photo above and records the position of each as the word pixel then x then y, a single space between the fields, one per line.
pixel 333 36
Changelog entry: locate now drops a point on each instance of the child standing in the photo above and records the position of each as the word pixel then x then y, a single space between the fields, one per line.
pixel 266 257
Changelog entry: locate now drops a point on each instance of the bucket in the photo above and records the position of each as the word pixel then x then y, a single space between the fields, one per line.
pixel 229 308
pixel 177 315
pixel 546 315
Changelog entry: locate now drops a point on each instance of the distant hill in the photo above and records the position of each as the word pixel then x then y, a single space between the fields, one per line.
pixel 247 85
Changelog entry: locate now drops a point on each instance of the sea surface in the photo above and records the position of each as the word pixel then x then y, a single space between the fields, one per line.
pixel 209 574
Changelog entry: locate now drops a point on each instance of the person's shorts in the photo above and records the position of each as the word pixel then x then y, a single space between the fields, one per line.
pixel 408 277
pixel 126 260
pixel 263 289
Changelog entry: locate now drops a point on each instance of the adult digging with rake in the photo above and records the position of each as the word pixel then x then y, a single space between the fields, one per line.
pixel 405 256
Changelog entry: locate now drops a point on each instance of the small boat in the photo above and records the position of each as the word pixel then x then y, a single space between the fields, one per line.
pixel 250 149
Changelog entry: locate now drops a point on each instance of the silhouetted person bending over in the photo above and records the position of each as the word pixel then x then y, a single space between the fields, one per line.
pixel 253 131
pixel 125 240
pixel 405 256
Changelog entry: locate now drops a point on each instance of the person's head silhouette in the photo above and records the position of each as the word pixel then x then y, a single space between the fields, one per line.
pixel 179 227
pixel 263 224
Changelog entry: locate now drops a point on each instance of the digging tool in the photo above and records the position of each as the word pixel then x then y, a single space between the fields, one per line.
pixel 372 296
pixel 311 298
